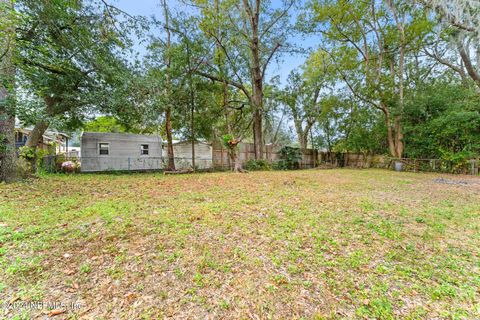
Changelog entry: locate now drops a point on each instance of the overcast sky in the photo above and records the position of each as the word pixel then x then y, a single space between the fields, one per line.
pixel 148 8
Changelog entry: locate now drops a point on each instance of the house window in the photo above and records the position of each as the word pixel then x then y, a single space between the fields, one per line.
pixel 103 149
pixel 144 149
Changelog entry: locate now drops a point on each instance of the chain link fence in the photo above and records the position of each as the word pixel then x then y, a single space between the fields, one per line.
pixel 470 167
pixel 129 164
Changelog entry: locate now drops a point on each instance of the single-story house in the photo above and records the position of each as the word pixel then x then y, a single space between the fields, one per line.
pixel 120 151
pixel 49 138
pixel 182 150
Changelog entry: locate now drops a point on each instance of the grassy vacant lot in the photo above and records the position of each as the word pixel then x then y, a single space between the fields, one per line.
pixel 305 244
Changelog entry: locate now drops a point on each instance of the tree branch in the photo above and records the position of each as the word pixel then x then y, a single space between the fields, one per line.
pixel 227 81
pixel 264 69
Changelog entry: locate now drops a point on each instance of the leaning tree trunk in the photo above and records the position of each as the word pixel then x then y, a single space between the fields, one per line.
pixel 34 139
pixel 36 135
pixel 467 62
pixel 7 105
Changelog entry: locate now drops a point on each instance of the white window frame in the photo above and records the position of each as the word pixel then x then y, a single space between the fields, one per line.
pixel 108 149
pixel 142 149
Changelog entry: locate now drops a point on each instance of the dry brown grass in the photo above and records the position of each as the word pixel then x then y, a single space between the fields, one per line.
pixel 304 244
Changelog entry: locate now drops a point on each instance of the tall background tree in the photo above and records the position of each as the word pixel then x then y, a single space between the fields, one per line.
pixel 457 42
pixel 369 43
pixel 247 35
pixel 70 58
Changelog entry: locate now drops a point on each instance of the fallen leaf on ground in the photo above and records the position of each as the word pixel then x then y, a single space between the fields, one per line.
pixel 69 272
pixel 55 313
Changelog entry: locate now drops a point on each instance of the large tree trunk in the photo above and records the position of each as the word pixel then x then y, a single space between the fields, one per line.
pixel 258 111
pixel 36 135
pixel 168 111
pixel 303 140
pixel 401 85
pixel 467 62
pixel 7 140
pixel 398 136
pixel 257 107
pixel 394 134
pixel 7 105
pixel 257 82
pixel 390 133
pixel 237 165
pixel 192 125
pixel 168 129
pixel 302 133
pixel 301 136
pixel 34 139
pixel 258 134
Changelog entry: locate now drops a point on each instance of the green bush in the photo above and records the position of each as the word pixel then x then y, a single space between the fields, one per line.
pixel 289 159
pixel 34 156
pixel 23 168
pixel 257 165
pixel 280 165
pixel 26 153
pixel 457 162
pixel 59 159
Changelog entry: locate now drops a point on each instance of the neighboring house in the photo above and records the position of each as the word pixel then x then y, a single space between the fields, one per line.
pixel 182 151
pixel 49 138
pixel 120 151
pixel 74 152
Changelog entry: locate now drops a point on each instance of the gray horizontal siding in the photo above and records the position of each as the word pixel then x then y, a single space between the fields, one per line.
pixel 124 152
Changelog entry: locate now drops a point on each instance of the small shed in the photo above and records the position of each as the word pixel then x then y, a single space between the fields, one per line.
pixel 120 151
pixel 182 150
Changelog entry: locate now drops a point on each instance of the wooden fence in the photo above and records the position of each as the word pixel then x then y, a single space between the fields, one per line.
pixel 310 158
pixel 314 158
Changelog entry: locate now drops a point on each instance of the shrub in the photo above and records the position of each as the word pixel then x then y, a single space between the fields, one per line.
pixel 59 160
pixel 68 167
pixel 289 159
pixel 280 165
pixel 26 153
pixel 257 165
pixel 23 168
pixel 34 156
pixel 458 162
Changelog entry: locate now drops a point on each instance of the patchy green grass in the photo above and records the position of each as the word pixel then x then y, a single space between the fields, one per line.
pixel 307 244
